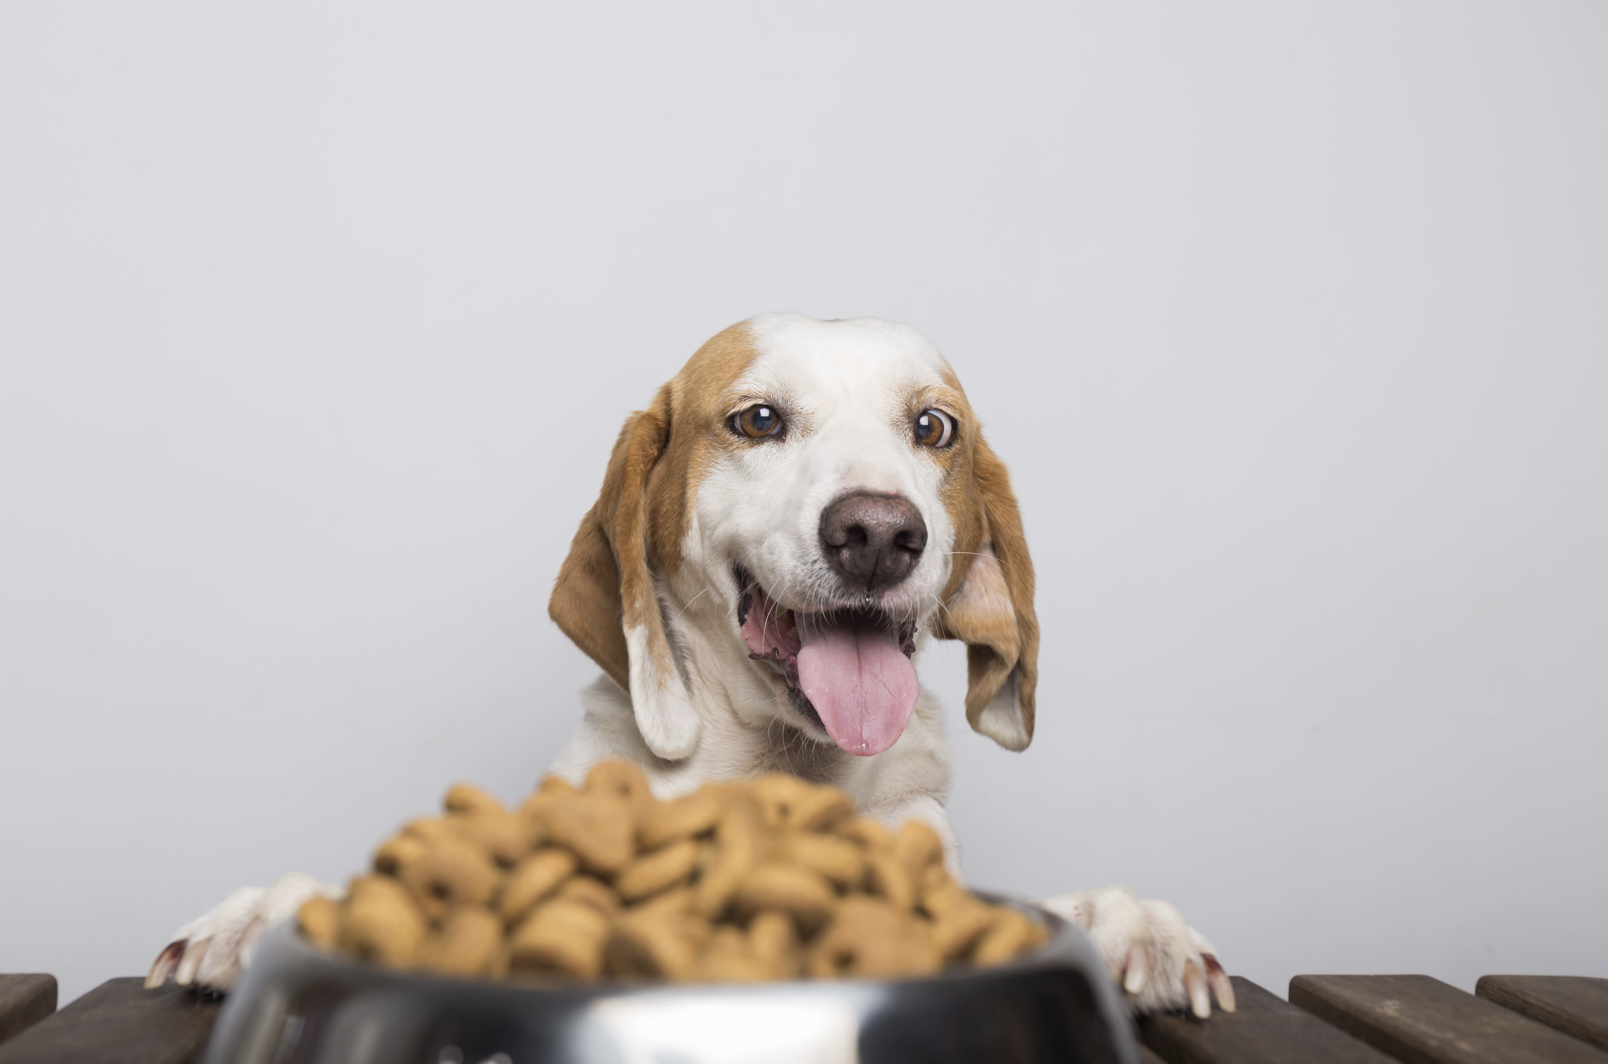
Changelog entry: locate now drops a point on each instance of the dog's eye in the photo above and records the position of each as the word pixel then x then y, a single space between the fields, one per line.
pixel 757 422
pixel 934 428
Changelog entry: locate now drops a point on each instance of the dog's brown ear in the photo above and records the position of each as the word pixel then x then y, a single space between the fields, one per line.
pixel 605 600
pixel 989 606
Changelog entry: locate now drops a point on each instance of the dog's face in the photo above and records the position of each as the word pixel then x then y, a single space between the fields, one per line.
pixel 822 517
pixel 809 500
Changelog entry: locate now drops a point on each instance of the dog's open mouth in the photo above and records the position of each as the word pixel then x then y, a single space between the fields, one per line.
pixel 849 669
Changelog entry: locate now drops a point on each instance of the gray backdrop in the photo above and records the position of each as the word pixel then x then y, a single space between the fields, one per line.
pixel 318 320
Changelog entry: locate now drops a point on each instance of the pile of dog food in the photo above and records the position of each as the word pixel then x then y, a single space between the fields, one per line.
pixel 775 878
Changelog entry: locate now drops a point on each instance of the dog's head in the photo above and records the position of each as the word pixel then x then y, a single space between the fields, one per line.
pixel 816 497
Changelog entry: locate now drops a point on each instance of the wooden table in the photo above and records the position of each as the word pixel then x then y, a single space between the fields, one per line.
pixel 1329 1019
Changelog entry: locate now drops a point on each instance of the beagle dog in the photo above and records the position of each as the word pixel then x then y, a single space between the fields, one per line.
pixel 800 510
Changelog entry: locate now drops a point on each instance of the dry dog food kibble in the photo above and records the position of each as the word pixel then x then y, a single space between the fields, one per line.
pixel 772 879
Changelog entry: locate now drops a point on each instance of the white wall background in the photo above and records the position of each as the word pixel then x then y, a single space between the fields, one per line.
pixel 317 321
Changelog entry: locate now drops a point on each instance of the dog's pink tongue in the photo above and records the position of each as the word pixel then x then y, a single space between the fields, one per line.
pixel 859 681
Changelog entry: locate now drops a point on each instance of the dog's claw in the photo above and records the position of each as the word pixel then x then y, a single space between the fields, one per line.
pixel 164 964
pixel 1138 969
pixel 194 953
pixel 1220 984
pixel 1200 999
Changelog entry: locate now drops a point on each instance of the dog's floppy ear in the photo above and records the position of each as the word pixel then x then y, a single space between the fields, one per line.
pixel 605 599
pixel 989 606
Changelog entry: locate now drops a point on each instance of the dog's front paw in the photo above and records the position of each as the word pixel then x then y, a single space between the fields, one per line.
pixel 1159 961
pixel 211 952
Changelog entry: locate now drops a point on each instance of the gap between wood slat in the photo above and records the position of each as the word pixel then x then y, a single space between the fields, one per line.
pixel 1575 1005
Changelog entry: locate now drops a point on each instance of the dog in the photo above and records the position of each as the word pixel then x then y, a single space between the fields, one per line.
pixel 800 510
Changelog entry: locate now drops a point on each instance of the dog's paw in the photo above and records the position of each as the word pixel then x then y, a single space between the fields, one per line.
pixel 210 953
pixel 1160 962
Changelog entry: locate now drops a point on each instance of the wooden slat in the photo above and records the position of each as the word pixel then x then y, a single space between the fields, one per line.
pixel 119 1022
pixel 1420 1020
pixel 24 1001
pixel 1574 1004
pixel 1148 1056
pixel 1264 1029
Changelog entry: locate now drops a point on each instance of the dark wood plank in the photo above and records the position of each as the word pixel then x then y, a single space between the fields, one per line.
pixel 24 1001
pixel 1264 1029
pixel 1574 1004
pixel 1148 1055
pixel 1420 1020
pixel 119 1022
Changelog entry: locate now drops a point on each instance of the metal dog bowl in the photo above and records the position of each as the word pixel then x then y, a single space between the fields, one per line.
pixel 299 1005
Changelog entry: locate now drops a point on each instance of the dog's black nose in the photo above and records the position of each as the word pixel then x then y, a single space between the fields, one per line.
pixel 873 541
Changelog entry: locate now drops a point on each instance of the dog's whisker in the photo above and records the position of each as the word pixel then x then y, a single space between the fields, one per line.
pixel 690 601
pixel 977 554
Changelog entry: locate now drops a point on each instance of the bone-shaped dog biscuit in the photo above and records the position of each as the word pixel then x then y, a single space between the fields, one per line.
pixel 451 871
pixel 381 922
pixel 683 818
pixel 591 891
pixel 534 878
pixel 660 870
pixel 598 827
pixel 563 937
pixel 469 941
pixel 504 836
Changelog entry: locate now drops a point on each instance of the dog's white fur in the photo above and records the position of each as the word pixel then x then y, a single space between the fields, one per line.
pixel 697 708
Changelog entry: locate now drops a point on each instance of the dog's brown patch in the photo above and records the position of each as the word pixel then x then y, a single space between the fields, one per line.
pixel 640 519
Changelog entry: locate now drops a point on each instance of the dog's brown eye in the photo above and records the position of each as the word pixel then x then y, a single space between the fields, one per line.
pixel 758 421
pixel 934 428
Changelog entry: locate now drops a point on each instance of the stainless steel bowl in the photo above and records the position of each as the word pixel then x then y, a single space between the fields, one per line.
pixel 299 1005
